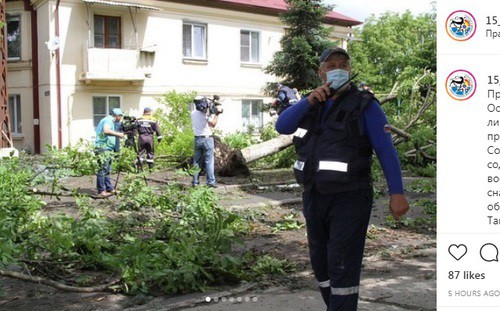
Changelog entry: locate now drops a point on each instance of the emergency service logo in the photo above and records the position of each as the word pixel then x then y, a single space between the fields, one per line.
pixel 461 84
pixel 460 25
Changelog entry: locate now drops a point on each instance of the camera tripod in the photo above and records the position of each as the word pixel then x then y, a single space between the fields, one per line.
pixel 131 142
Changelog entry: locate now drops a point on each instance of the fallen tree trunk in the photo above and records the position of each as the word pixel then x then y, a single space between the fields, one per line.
pixel 259 151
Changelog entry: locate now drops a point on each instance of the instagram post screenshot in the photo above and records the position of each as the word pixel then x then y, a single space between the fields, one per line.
pixel 468 217
pixel 219 155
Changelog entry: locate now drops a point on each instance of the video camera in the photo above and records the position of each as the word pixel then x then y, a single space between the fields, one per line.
pixel 129 127
pixel 205 104
pixel 278 106
pixel 129 124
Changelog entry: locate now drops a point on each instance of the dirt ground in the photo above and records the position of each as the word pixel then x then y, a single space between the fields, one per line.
pixel 398 267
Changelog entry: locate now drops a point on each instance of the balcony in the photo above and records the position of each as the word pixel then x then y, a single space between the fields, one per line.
pixel 116 65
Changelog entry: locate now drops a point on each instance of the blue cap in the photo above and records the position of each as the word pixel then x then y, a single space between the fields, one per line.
pixel 117 112
pixel 147 109
pixel 330 51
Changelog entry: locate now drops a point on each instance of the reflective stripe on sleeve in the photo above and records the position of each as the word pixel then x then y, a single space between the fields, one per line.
pixel 333 166
pixel 344 291
pixel 299 165
pixel 324 284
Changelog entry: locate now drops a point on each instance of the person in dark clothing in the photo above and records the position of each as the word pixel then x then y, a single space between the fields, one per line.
pixel 336 128
pixel 285 98
pixel 147 127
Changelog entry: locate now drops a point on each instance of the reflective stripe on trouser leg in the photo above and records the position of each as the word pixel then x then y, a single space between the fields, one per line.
pixel 324 284
pixel 343 291
pixel 324 288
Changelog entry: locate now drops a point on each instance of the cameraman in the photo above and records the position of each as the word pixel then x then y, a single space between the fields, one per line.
pixel 105 142
pixel 147 127
pixel 203 119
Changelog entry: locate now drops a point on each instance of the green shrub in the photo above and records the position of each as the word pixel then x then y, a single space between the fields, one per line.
pixel 239 140
pixel 174 118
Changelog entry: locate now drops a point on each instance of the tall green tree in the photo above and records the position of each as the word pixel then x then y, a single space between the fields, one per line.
pixel 304 39
pixel 402 48
pixel 394 47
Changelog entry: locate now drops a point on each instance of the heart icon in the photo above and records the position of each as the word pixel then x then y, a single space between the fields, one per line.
pixel 457 251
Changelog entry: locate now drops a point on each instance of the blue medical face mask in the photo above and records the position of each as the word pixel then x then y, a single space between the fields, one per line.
pixel 337 77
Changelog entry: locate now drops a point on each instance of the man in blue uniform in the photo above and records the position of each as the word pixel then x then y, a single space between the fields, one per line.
pixel 335 135
pixel 106 142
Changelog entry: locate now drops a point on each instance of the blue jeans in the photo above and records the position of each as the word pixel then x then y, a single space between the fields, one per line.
pixel 204 157
pixel 103 176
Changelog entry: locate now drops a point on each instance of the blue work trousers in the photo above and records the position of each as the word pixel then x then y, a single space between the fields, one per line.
pixel 204 158
pixel 336 232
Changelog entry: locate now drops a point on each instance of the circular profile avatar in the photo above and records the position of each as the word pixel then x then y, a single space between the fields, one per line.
pixel 460 25
pixel 461 85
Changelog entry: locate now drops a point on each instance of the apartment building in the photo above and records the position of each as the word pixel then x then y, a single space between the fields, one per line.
pixel 71 61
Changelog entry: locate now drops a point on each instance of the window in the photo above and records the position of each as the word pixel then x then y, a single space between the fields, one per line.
pixel 194 41
pixel 107 32
pixel 249 46
pixel 13 38
pixel 251 113
pixel 103 106
pixel 15 114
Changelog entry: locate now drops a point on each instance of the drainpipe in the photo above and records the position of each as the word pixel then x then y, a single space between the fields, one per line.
pixel 58 79
pixel 34 73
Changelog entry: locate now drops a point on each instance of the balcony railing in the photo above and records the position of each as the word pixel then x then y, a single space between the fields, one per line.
pixel 101 64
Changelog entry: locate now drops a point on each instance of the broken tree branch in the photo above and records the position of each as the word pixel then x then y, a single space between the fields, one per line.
pixel 399 132
pixel 68 288
pixel 388 99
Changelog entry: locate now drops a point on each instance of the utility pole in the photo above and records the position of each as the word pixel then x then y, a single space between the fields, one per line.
pixel 6 139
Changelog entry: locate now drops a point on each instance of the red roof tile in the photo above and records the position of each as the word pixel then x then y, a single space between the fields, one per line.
pixel 280 6
pixel 268 7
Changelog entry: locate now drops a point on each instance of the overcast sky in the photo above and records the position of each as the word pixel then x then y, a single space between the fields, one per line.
pixel 362 9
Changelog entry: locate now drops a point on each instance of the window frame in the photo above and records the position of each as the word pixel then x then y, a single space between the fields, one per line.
pixel 259 52
pixel 205 41
pixel 105 34
pixel 14 114
pixel 9 17
pixel 107 109
pixel 260 114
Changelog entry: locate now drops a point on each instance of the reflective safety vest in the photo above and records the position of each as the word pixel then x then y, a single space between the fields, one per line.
pixel 334 155
pixel 148 126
